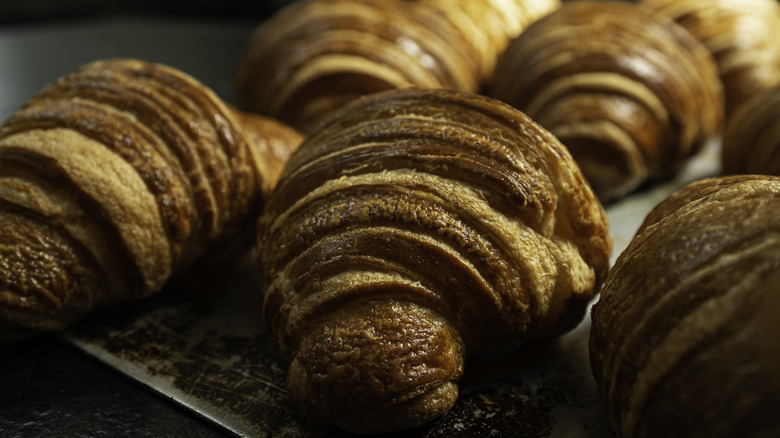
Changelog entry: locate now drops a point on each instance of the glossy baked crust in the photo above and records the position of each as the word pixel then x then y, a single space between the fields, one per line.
pixel 684 335
pixel 415 229
pixel 489 25
pixel 113 178
pixel 629 92
pixel 743 36
pixel 313 56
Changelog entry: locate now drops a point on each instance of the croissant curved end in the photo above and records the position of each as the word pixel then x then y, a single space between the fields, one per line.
pixel 379 368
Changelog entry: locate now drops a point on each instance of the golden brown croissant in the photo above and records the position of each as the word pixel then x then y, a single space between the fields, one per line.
pixel 743 35
pixel 414 229
pixel 488 25
pixel 113 178
pixel 684 338
pixel 314 55
pixel 751 143
pixel 630 93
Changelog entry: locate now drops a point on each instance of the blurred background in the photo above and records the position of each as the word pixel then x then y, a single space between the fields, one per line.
pixel 15 11
pixel 41 40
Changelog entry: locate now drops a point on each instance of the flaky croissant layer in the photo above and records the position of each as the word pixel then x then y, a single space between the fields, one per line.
pixel 313 56
pixel 113 178
pixel 415 229
pixel 741 35
pixel 489 25
pixel 684 340
pixel 628 91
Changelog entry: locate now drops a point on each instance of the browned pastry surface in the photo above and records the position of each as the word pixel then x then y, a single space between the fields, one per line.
pixel 273 142
pixel 751 142
pixel 415 229
pixel 743 35
pixel 683 341
pixel 313 56
pixel 488 25
pixel 630 93
pixel 111 179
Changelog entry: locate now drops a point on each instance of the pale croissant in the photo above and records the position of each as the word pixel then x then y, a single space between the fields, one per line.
pixel 115 177
pixel 415 229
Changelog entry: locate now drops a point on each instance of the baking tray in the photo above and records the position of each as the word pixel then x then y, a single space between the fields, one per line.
pixel 202 343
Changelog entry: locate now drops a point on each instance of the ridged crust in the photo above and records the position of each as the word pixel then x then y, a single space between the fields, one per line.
pixel 742 35
pixel 174 131
pixel 630 93
pixel 489 25
pixel 135 168
pixel 41 286
pixel 315 55
pixel 449 203
pixel 272 141
pixel 677 343
pixel 751 142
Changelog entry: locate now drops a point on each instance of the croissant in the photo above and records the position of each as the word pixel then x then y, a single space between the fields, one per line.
pixel 741 34
pixel 684 335
pixel 489 25
pixel 115 177
pixel 630 93
pixel 751 142
pixel 313 56
pixel 414 229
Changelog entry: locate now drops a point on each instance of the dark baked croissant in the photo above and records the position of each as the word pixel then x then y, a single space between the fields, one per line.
pixel 313 56
pixel 414 229
pixel 684 337
pixel 743 35
pixel 751 142
pixel 113 178
pixel 630 93
pixel 488 25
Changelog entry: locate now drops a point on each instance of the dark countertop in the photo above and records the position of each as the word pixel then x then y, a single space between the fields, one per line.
pixel 50 389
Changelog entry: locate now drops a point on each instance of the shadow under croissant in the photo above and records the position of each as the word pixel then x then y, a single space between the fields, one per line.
pixel 202 336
